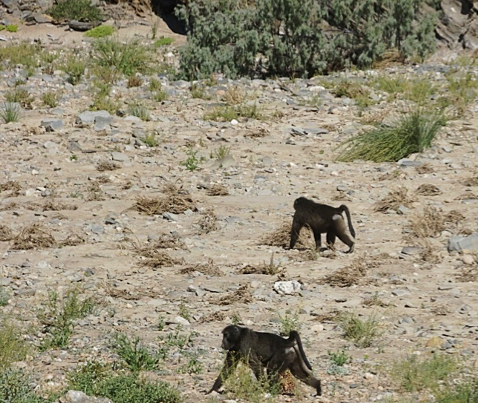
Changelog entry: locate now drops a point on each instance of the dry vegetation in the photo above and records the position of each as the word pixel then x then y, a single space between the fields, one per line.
pixel 395 198
pixel 208 269
pixel 33 236
pixel 218 190
pixel 430 223
pixel 208 222
pixel 172 203
pixel 281 237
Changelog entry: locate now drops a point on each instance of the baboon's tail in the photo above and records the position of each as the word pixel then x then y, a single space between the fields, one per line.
pixel 343 207
pixel 294 335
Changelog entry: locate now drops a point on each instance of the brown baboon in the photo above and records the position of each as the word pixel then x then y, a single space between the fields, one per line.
pixel 322 218
pixel 265 350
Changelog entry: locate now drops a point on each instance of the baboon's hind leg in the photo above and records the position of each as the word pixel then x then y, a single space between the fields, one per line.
pixel 341 232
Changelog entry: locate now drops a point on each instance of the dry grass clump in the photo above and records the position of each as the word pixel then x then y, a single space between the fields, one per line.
pixel 50 205
pixel 154 259
pixel 8 206
pixel 33 236
pixel 424 169
pixel 466 196
pixel 330 316
pixel 107 166
pixel 454 217
pixel 208 222
pixel 270 268
pixel 73 240
pixel 428 253
pixel 468 274
pixel 94 193
pixel 234 95
pixel 395 198
pixel 428 190
pixel 131 294
pixel 428 224
pixel 12 187
pixel 172 203
pixel 281 237
pixel 242 295
pixel 165 241
pixel 208 268
pixel 375 300
pixel 217 316
pixel 396 174
pixel 257 133
pixel 218 190
pixel 473 181
pixel 347 276
pixel 341 196
pixel 5 233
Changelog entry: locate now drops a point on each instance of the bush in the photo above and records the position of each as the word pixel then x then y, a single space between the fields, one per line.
pixel 464 393
pixel 100 32
pixel 12 346
pixel 15 387
pixel 414 373
pixel 136 356
pixel 361 332
pixel 412 133
pixel 286 38
pixel 128 58
pixel 79 10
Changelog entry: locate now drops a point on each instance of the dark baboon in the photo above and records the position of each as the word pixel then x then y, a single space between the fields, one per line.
pixel 265 350
pixel 321 218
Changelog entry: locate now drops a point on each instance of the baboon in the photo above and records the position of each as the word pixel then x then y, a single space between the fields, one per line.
pixel 322 218
pixel 265 351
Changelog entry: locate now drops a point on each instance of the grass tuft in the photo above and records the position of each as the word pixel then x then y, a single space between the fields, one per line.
pixel 10 112
pixel 362 332
pixel 412 133
pixel 100 32
pixel 136 356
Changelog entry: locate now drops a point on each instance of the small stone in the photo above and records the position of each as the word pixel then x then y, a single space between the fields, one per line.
pixel 468 259
pixel 446 287
pixel 400 292
pixel 287 287
pixel 170 216
pixel 116 156
pixel 51 125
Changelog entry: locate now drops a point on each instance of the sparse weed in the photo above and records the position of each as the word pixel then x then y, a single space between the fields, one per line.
pixel 466 392
pixel 80 10
pixel 184 311
pixel 150 140
pixel 198 91
pixel 221 152
pixel 192 162
pixel 21 96
pixel 163 41
pixel 339 358
pixel 228 113
pixel 193 366
pixel 10 112
pixel 362 332
pixel 75 68
pixel 100 31
pixel 12 346
pixel 135 355
pixel 155 85
pixel 288 322
pixel 412 133
pixel 234 95
pixel 51 98
pixel 139 110
pixel 177 340
pixel 161 323
pixel 414 373
pixel 59 314
pixel 160 96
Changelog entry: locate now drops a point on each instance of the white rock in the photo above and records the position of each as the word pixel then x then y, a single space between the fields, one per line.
pixel 287 287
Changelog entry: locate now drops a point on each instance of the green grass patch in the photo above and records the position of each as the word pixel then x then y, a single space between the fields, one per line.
pixel 16 387
pixel 163 41
pixel 12 346
pixel 51 98
pixel 21 96
pixel 12 28
pixel 412 133
pixel 228 113
pixel 75 67
pixel 10 112
pixel 466 392
pixel 23 53
pixel 139 110
pixel 100 31
pixel 135 355
pixel 150 139
pixel 128 58
pixel 79 10
pixel 103 102
pixel 59 314
pixel 415 373
pixel 363 332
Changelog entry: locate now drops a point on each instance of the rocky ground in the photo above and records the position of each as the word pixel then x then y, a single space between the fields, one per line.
pixel 160 236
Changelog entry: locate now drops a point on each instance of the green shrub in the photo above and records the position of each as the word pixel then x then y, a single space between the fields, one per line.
pixel 415 373
pixel 362 332
pixel 97 379
pixel 75 67
pixel 340 358
pixel 128 58
pixel 16 387
pixel 21 96
pixel 59 314
pixel 12 346
pixel 137 357
pixel 163 41
pixel 288 38
pixel 412 133
pixel 464 393
pixel 150 140
pixel 100 31
pixel 51 98
pixel 79 10
pixel 24 53
pixel 10 112
pixel 192 162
